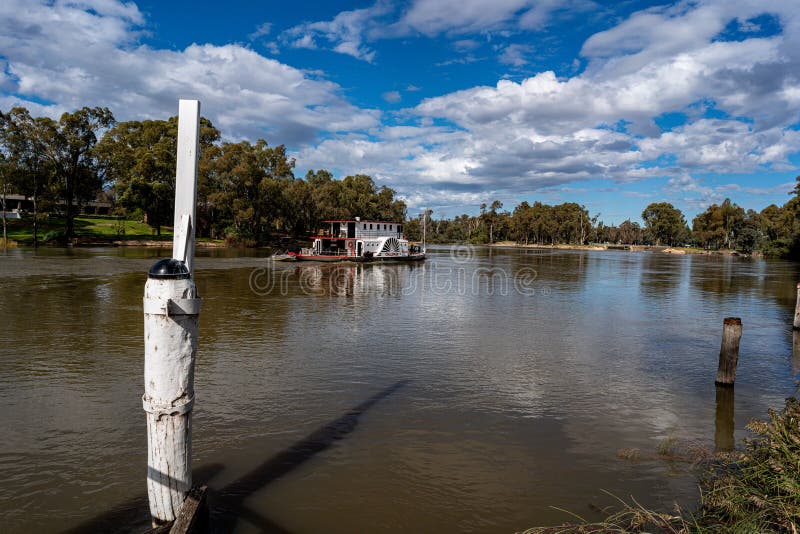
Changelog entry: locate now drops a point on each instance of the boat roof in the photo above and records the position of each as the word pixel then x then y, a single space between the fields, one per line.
pixel 360 221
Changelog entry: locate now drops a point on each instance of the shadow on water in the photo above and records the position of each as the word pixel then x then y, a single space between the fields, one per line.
pixel 227 503
pixel 724 426
pixel 135 512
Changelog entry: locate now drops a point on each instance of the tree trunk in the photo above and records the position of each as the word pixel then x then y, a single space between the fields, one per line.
pixel 70 197
pixel 5 232
pixel 70 228
pixel 35 217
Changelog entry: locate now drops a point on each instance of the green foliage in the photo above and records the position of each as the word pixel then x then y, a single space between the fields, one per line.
pixel 139 158
pixel 727 226
pixel 665 224
pixel 246 183
pixel 68 146
pixel 54 235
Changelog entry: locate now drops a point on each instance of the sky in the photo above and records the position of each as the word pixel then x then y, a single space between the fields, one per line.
pixel 452 103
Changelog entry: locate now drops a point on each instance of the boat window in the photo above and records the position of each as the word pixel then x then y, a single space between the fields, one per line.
pixel 384 227
pixel 370 226
pixel 390 227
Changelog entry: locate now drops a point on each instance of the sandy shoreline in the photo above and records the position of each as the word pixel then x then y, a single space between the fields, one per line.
pixel 627 248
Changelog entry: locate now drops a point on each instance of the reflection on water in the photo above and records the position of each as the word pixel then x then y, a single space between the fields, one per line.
pixel 724 422
pixel 524 373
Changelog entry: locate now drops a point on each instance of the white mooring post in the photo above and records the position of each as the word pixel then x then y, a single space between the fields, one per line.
pixel 171 313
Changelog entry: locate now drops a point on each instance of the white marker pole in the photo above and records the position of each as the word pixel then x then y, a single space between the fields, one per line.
pixel 186 181
pixel 171 313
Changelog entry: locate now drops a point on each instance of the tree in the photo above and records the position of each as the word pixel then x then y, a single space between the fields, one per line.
pixel 139 158
pixel 629 233
pixel 5 173
pixel 664 223
pixel 719 226
pixel 491 217
pixel 68 145
pixel 22 142
pixel 248 181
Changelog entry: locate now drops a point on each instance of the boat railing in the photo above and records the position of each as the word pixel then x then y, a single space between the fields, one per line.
pixel 360 233
pixel 315 252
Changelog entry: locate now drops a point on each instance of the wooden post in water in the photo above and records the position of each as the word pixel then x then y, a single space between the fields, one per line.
pixel 171 313
pixel 796 323
pixel 729 352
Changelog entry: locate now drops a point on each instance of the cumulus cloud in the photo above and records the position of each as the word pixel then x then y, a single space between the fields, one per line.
pixel 347 33
pixel 546 129
pixel 434 17
pixel 351 32
pixel 70 55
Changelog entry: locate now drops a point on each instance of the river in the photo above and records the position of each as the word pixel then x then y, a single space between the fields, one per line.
pixel 486 390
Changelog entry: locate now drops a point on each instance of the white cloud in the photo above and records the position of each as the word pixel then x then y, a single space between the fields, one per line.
pixel 434 17
pixel 73 57
pixel 515 54
pixel 465 45
pixel 261 31
pixel 346 33
pixel 351 32
pixel 392 97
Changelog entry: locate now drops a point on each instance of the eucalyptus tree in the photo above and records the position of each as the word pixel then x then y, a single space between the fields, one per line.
pixel 720 225
pixel 139 160
pixel 664 223
pixel 27 168
pixel 69 149
pixel 247 183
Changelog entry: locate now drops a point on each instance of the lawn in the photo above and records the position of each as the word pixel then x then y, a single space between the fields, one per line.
pixel 86 227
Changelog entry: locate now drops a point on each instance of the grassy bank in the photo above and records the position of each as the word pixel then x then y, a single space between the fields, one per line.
pixel 88 228
pixel 755 490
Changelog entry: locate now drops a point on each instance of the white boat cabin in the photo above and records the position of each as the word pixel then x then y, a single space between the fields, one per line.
pixel 357 238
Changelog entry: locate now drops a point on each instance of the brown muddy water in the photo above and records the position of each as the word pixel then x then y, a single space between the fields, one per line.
pixel 478 392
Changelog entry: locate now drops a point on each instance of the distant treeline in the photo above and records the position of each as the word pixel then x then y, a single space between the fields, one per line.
pixel 248 193
pixel 775 230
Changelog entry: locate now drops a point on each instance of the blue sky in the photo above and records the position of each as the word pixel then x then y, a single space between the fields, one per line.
pixel 451 102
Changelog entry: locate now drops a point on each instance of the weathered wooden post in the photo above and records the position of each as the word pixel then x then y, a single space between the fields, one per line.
pixel 729 352
pixel 796 323
pixel 171 313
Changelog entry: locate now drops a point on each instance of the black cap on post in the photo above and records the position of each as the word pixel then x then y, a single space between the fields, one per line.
pixel 169 269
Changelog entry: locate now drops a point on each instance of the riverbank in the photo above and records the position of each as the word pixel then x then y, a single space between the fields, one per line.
pixel 632 248
pixel 98 231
